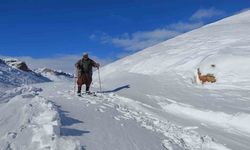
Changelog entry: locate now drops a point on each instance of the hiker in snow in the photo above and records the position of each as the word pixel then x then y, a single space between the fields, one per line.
pixel 84 72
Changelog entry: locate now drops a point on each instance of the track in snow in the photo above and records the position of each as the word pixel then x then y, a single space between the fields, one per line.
pixel 109 116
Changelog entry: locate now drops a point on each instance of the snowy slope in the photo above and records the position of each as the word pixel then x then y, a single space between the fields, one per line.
pixel 164 78
pixel 28 121
pixel 224 44
pixel 18 64
pixel 150 100
pixel 96 122
pixel 31 122
pixel 35 118
pixel 11 77
pixel 54 75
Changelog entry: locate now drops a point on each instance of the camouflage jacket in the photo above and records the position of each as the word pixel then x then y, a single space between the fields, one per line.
pixel 85 66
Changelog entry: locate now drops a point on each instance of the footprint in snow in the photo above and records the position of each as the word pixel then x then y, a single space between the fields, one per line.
pixel 100 110
pixel 28 96
pixel 12 135
pixel 117 118
pixel 103 107
pixel 92 102
pixel 109 105
pixel 191 128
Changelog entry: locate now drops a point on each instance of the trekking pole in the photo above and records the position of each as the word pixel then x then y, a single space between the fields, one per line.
pixel 75 76
pixel 100 83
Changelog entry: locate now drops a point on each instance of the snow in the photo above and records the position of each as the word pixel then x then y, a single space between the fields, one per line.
pixel 54 75
pixel 109 116
pixel 165 77
pixel 150 100
pixel 31 122
pixel 224 44
pixel 238 122
pixel 93 122
pixel 12 62
pixel 11 77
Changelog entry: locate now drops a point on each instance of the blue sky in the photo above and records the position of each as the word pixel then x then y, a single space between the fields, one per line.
pixel 108 29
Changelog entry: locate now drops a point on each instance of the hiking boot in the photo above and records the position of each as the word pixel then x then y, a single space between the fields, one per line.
pixel 87 89
pixel 88 92
pixel 79 94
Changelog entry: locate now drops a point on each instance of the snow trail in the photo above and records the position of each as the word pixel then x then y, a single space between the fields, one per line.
pixel 151 100
pixel 90 121
pixel 31 122
pixel 125 110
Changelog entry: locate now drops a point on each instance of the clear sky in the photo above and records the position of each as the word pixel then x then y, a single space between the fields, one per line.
pixel 108 29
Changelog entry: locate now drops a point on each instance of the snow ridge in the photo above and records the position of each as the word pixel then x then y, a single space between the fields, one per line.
pixel 11 77
pixel 34 125
pixel 224 45
pixel 176 137
pixel 169 70
pixel 6 96
pixel 54 75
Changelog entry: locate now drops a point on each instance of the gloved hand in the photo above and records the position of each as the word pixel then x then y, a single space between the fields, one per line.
pixel 97 65
pixel 77 66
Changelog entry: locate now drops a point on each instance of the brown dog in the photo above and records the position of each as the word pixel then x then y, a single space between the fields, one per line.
pixel 206 78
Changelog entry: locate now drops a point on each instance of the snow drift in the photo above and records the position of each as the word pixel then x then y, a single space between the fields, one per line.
pixel 31 122
pixel 54 75
pixel 164 78
pixel 28 121
pixel 21 65
pixel 11 77
pixel 155 87
pixel 224 44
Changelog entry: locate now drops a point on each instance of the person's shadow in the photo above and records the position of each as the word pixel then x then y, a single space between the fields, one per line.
pixel 117 89
pixel 67 121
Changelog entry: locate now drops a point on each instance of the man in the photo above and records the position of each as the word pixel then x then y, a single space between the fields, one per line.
pixel 84 72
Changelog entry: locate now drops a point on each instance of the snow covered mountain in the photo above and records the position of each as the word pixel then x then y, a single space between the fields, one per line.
pixel 21 65
pixel 54 75
pixel 224 44
pixel 31 122
pixel 28 121
pixel 152 100
pixel 162 82
pixel 12 77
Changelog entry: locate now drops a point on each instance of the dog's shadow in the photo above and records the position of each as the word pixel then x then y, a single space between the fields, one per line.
pixel 117 89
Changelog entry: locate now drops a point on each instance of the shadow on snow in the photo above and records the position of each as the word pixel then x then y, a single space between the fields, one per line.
pixel 117 89
pixel 69 121
pixel 72 132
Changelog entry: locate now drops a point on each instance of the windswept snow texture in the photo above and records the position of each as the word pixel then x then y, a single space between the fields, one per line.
pixel 54 75
pixel 18 64
pixel 30 122
pixel 11 77
pixel 224 44
pixel 110 121
pixel 151 100
pixel 163 78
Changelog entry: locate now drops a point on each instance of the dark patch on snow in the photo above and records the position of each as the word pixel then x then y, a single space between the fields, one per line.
pixel 72 132
pixel 117 89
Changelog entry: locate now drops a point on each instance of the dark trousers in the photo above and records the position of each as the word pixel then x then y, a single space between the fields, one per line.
pixel 86 79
